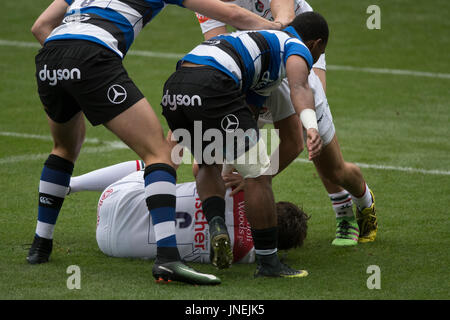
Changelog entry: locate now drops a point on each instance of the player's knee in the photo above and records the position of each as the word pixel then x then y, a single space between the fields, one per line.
pixel 67 151
pixel 162 153
pixel 70 155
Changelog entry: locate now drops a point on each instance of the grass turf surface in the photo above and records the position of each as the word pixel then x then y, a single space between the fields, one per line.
pixel 381 119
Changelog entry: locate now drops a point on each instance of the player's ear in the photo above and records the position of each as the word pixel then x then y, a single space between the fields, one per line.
pixel 317 43
pixel 312 44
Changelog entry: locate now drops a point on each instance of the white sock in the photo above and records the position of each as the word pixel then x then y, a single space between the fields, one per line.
pixel 98 180
pixel 365 201
pixel 342 204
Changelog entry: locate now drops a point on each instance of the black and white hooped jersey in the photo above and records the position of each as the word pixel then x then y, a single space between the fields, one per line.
pixel 112 23
pixel 256 60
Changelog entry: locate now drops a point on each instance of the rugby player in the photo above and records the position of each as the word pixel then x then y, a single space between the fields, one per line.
pixel 221 85
pixel 125 229
pixel 79 73
pixel 343 180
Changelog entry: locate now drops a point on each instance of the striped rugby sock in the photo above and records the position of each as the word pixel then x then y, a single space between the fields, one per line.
pixel 365 200
pixel 160 193
pixel 53 187
pixel 342 204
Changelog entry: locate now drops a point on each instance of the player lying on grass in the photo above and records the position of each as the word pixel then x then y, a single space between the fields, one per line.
pixel 124 228
pixel 343 181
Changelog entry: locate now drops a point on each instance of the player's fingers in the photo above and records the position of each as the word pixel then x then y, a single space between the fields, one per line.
pixel 237 189
pixel 231 183
pixel 315 149
pixel 314 145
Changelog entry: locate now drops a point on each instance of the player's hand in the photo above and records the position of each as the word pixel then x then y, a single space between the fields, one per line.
pixel 313 143
pixel 234 180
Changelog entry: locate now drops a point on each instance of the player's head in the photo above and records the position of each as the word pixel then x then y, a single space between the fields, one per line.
pixel 313 29
pixel 292 225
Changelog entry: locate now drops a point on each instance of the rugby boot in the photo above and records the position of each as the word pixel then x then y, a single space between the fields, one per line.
pixel 271 266
pixel 347 232
pixel 368 222
pixel 40 250
pixel 178 271
pixel 221 252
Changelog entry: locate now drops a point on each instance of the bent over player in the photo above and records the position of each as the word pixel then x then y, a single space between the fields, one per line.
pixel 342 180
pixel 80 73
pixel 230 76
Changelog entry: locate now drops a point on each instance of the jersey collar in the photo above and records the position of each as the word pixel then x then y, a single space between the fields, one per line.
pixel 292 30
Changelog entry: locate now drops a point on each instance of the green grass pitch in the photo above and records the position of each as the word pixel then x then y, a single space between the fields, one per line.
pixel 395 124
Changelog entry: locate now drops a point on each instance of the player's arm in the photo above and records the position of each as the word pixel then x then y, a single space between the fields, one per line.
pixel 99 179
pixel 215 32
pixel 231 14
pixel 291 140
pixel 303 100
pixel 283 11
pixel 49 20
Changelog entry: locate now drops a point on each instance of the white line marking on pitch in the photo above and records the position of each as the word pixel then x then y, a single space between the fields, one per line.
pixel 105 146
pixel 43 156
pixel 385 167
pixel 39 137
pixel 115 145
pixel 169 55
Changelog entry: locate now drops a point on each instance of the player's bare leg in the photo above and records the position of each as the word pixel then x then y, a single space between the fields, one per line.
pixel 261 213
pixel 211 190
pixel 338 177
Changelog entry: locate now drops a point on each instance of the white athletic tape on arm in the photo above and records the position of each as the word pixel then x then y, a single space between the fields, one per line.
pixel 309 119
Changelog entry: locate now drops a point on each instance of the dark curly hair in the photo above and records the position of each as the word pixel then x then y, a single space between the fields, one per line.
pixel 292 225
pixel 311 25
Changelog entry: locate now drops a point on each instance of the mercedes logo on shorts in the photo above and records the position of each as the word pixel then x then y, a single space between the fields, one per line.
pixel 229 123
pixel 117 94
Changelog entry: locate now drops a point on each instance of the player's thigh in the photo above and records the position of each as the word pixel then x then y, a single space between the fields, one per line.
pixel 68 137
pixel 139 128
pixel 53 74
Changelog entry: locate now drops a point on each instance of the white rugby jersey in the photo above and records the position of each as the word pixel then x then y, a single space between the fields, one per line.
pixel 260 7
pixel 256 60
pixel 125 229
pixel 112 23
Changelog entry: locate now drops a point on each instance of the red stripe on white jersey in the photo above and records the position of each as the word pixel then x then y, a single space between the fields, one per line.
pixel 243 241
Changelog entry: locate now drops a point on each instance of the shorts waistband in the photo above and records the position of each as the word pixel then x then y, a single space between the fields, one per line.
pixel 73 43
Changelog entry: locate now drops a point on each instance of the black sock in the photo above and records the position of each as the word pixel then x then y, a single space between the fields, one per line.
pixel 167 254
pixel 214 207
pixel 265 241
